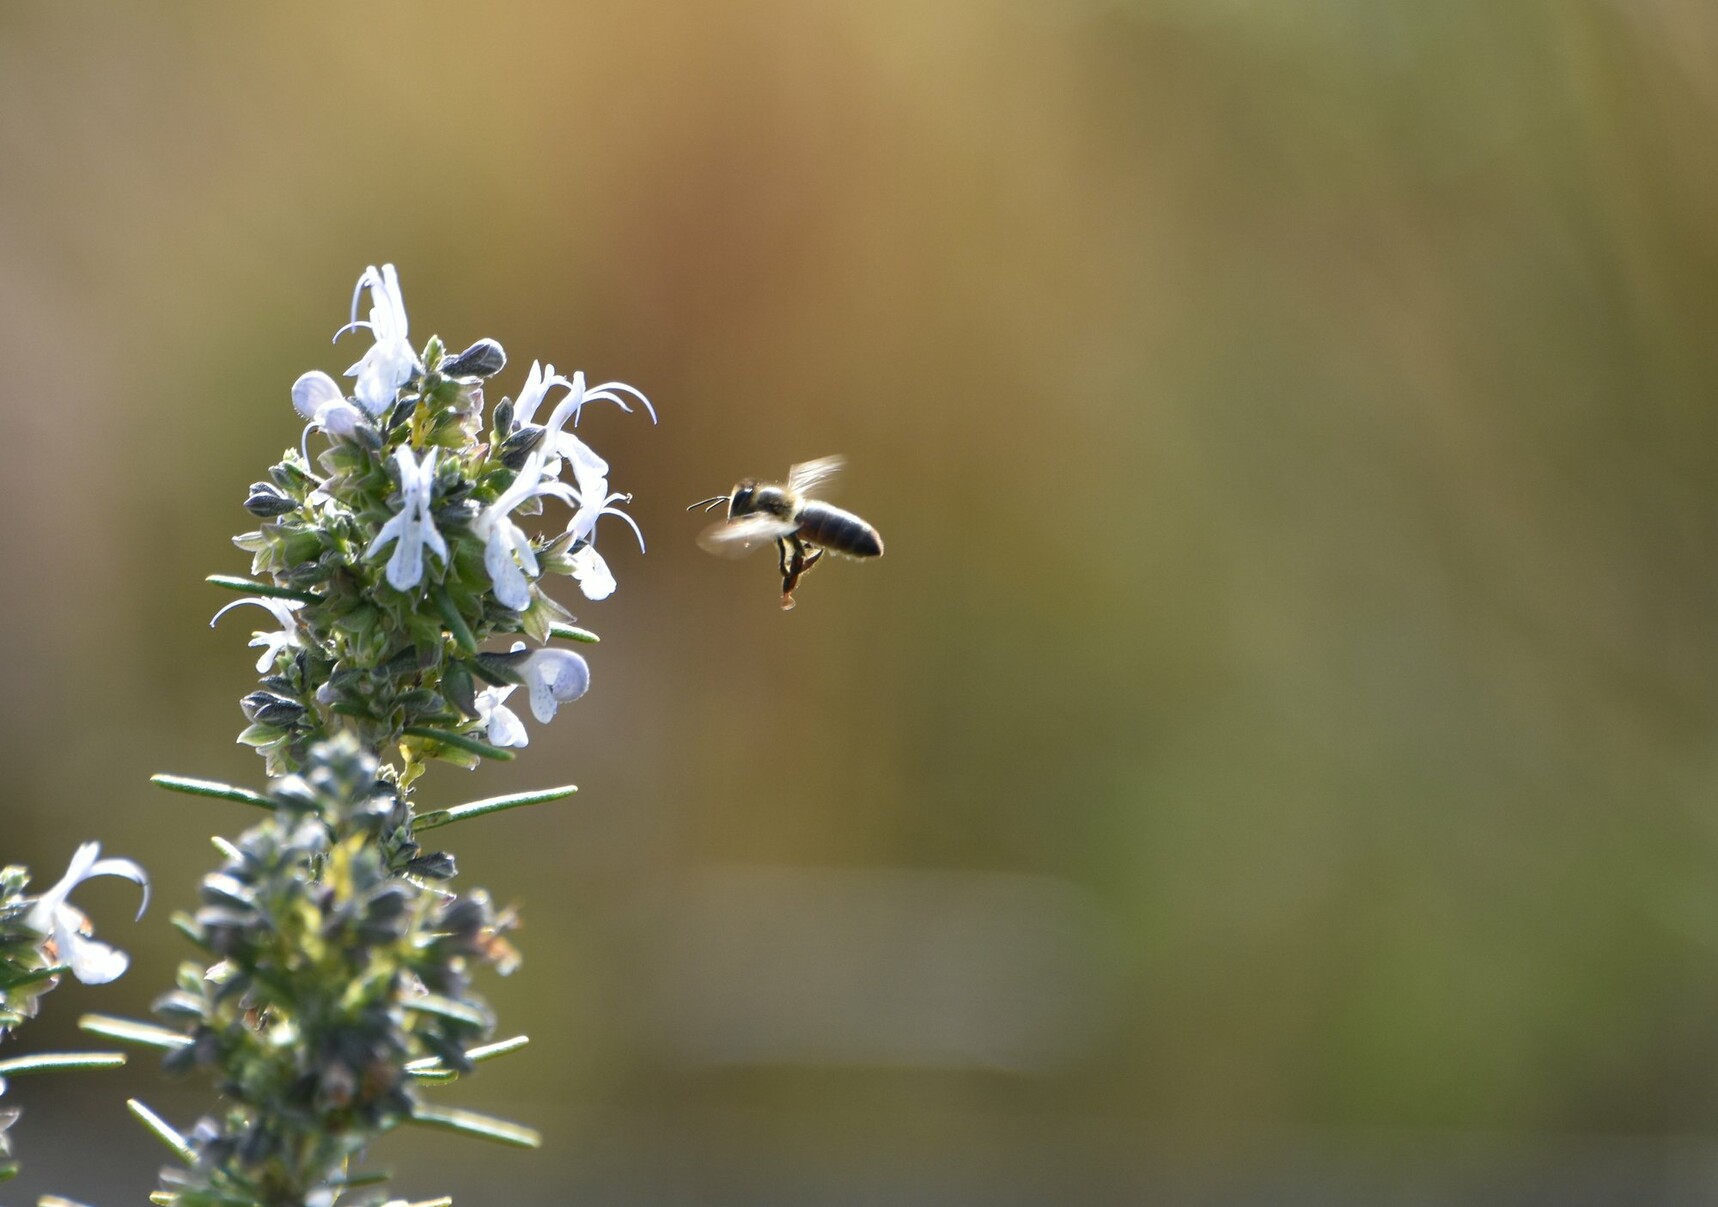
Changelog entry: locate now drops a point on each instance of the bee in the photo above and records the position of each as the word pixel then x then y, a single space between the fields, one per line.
pixel 803 529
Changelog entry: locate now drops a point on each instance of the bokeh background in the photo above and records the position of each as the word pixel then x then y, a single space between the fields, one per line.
pixel 1274 762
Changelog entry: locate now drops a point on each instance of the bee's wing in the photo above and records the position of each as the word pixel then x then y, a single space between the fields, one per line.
pixel 736 538
pixel 805 477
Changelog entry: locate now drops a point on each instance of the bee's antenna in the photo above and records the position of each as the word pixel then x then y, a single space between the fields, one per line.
pixel 706 504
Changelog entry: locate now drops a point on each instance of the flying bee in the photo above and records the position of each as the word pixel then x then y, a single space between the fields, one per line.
pixel 803 529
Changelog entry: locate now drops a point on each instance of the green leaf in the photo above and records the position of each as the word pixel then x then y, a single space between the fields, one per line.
pixel 446 1007
pixel 55 1200
pixel 9 1170
pixel 261 735
pixel 455 622
pixel 459 741
pixel 186 925
pixel 249 586
pixel 31 977
pixel 430 1068
pixel 53 1062
pixel 352 1181
pixel 131 1031
pixel 432 1073
pixel 493 804
pixel 569 632
pixel 196 787
pixel 162 1131
pixel 480 1127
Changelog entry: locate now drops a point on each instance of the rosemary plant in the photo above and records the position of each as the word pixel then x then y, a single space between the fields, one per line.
pixel 333 980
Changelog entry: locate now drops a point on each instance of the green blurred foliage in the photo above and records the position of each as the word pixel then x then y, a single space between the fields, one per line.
pixel 1292 429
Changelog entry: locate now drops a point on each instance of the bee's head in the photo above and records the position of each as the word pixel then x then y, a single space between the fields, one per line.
pixel 742 500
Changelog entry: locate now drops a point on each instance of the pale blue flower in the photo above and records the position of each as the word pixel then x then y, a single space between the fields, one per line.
pixel 411 529
pixel 504 541
pixel 51 916
pixel 272 643
pixel 390 362
pixel 317 397
pixel 554 677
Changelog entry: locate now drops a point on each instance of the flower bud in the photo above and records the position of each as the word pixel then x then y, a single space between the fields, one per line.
pixel 267 501
pixel 517 447
pixel 266 708
pixel 485 358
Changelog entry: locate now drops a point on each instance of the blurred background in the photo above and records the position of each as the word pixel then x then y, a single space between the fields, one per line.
pixel 1275 760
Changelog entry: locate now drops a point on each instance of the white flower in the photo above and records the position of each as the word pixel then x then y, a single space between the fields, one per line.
pixel 592 574
pixel 554 677
pixel 91 962
pixel 590 472
pixel 504 728
pixel 503 539
pixel 390 362
pixel 272 643
pixel 577 396
pixel 538 382
pixel 412 530
pixel 317 397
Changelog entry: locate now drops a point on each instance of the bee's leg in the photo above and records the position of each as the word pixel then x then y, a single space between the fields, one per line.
pixel 796 558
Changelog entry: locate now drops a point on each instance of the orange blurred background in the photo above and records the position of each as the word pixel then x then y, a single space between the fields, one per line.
pixel 1274 761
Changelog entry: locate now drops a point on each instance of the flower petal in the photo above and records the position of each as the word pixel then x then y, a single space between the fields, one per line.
pixel 505 727
pixel 313 391
pixel 554 677
pixel 113 866
pixel 92 961
pixel 511 587
pixel 592 574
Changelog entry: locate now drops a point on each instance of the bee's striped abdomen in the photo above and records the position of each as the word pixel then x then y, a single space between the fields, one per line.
pixel 838 531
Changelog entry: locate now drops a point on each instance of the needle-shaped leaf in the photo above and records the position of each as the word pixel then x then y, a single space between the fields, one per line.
pixel 131 1031
pixel 53 1062
pixel 459 741
pixel 493 804
pixel 162 1131
pixel 478 1126
pixel 247 586
pixel 210 788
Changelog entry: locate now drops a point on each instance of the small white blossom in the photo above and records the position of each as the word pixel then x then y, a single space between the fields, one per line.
pixel 590 473
pixel 91 962
pixel 272 643
pixel 538 382
pixel 554 677
pixel 610 391
pixel 503 539
pixel 503 726
pixel 412 530
pixel 390 362
pixel 317 397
